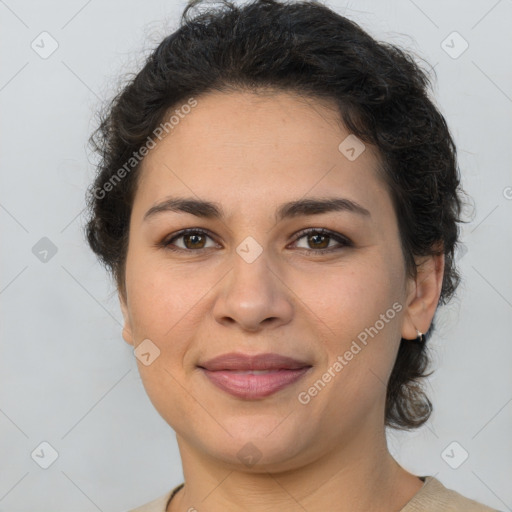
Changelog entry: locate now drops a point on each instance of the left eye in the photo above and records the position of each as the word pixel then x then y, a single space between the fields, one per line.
pixel 195 240
pixel 321 238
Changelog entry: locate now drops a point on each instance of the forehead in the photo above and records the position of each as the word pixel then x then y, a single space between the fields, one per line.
pixel 259 148
pixel 263 120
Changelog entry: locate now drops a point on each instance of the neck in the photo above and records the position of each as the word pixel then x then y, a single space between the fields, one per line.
pixel 359 475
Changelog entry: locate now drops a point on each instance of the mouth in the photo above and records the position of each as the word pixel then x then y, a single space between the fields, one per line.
pixel 253 377
pixel 254 384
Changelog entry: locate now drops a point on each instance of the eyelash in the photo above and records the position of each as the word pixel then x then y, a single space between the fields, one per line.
pixel 166 243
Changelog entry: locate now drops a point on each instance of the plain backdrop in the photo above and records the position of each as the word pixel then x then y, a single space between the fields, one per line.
pixel 66 376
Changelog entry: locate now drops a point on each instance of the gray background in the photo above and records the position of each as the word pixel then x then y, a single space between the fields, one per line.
pixel 66 376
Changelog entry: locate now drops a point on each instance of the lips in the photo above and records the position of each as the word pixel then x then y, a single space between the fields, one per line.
pixel 253 377
pixel 242 362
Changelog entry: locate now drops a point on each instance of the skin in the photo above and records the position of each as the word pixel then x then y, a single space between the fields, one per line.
pixel 251 153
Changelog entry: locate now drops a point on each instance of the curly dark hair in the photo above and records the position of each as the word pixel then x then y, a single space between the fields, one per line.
pixel 382 96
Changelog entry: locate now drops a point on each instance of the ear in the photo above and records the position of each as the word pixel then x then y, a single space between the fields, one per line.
pixel 423 296
pixel 127 328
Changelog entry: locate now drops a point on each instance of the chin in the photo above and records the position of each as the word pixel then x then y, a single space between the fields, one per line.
pixel 256 446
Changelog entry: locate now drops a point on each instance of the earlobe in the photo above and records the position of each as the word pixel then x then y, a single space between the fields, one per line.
pixel 423 298
pixel 127 327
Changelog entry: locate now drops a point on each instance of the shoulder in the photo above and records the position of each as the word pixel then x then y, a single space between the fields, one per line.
pixel 158 504
pixel 435 497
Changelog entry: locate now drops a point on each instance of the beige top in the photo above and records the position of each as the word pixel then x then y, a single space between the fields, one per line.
pixel 432 497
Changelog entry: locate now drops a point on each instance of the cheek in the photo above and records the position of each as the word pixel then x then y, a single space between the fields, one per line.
pixel 359 311
pixel 161 297
pixel 360 359
pixel 161 309
pixel 351 297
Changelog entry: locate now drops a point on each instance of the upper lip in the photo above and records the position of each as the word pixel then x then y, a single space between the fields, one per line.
pixel 267 361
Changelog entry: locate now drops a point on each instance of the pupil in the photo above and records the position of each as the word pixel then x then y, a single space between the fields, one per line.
pixel 189 237
pixel 318 236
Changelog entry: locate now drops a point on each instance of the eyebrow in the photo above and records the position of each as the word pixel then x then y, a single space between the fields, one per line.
pixel 300 207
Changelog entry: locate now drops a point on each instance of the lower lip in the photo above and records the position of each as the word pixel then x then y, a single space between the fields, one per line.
pixel 251 387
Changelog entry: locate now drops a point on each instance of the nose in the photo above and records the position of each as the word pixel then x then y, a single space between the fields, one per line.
pixel 253 295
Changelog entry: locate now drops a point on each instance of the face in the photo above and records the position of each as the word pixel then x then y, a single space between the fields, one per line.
pixel 251 281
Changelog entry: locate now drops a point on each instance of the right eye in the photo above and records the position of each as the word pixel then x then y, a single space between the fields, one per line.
pixel 193 240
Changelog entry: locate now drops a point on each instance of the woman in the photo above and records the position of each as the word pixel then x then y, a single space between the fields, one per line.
pixel 278 202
